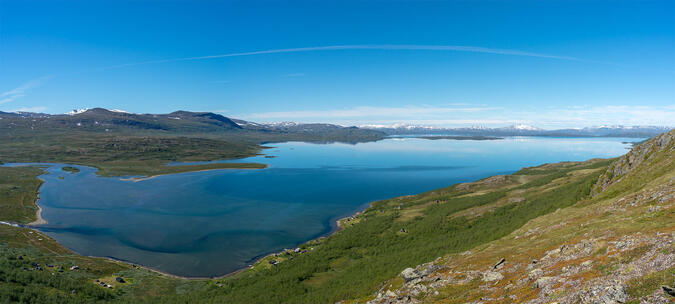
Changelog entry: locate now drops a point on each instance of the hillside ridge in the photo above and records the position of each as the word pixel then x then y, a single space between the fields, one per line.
pixel 617 246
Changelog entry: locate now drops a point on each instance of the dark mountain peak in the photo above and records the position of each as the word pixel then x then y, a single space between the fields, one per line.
pixel 206 117
pixel 213 116
pixel 182 113
pixel 98 111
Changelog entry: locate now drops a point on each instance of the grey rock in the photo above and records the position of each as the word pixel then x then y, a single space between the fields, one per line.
pixel 409 274
pixel 492 276
pixel 608 294
pixel 535 274
pixel 419 272
pixel 545 281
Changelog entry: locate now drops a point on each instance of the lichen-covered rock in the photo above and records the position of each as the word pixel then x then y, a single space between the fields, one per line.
pixel 535 274
pixel 611 294
pixel 545 281
pixel 421 271
pixel 409 274
pixel 492 276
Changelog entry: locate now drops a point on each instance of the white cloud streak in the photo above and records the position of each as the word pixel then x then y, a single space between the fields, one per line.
pixel 390 47
pixel 21 90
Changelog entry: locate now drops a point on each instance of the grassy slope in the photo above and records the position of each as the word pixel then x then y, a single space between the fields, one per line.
pixel 355 261
pixel 637 208
pixel 18 191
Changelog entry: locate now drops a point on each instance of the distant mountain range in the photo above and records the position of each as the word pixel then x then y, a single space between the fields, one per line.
pixel 184 121
pixel 523 130
pixel 181 123
pixel 178 120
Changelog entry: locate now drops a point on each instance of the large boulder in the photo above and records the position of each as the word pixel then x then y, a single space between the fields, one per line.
pixel 608 294
pixel 409 274
pixel 421 271
pixel 492 276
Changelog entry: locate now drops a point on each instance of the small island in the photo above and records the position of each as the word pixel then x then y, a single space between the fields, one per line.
pixel 70 169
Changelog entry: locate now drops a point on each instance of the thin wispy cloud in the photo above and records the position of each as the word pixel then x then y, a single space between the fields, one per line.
pixel 390 47
pixel 22 90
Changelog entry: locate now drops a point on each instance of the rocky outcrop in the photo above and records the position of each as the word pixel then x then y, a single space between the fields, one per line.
pixel 418 282
pixel 638 155
pixel 610 294
pixel 419 272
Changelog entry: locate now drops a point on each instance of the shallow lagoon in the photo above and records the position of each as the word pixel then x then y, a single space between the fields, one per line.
pixel 210 223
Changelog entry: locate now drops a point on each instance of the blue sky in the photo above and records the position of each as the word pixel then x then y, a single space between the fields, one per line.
pixel 450 63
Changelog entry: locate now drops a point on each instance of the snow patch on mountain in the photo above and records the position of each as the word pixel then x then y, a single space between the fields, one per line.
pixel 119 111
pixel 523 127
pixel 283 124
pixel 77 111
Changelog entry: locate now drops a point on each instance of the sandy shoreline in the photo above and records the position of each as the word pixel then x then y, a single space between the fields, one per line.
pixel 40 220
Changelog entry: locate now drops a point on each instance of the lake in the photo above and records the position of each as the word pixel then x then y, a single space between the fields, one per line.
pixel 210 223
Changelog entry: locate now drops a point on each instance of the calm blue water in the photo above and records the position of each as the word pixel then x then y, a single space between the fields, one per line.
pixel 215 222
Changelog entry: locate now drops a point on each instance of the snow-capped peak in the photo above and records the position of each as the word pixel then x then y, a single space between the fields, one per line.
pixel 524 127
pixel 77 111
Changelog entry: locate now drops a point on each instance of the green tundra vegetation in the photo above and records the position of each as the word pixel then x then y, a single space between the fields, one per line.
pixel 19 188
pixel 122 154
pixel 369 252
pixel 120 144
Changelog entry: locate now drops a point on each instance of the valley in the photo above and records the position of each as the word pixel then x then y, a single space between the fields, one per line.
pixel 475 223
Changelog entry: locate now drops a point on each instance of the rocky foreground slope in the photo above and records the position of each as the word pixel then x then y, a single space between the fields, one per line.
pixel 616 247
